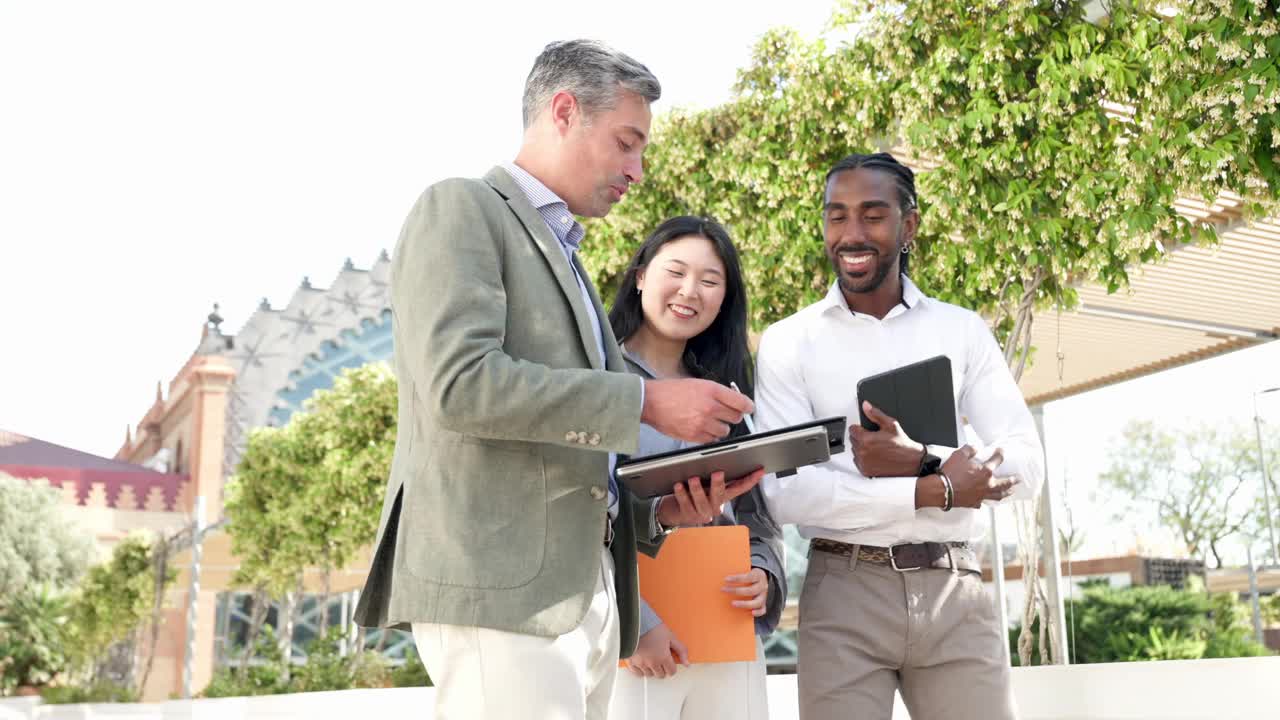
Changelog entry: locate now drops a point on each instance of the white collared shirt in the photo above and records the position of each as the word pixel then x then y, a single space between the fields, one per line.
pixel 809 366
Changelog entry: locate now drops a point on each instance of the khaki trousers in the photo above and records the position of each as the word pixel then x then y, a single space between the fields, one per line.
pixel 707 691
pixel 866 630
pixel 485 674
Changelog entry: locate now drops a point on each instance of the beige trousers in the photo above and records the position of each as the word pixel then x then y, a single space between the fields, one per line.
pixel 868 629
pixel 708 691
pixel 485 674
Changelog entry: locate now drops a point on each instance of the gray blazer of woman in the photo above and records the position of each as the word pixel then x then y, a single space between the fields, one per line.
pixel 749 510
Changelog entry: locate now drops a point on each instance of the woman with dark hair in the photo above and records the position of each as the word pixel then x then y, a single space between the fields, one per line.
pixel 681 311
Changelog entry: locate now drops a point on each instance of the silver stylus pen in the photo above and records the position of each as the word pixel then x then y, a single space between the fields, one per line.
pixel 751 426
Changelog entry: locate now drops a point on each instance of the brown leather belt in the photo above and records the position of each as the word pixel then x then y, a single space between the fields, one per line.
pixel 907 556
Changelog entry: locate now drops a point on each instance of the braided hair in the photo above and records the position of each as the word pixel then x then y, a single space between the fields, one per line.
pixel 903 178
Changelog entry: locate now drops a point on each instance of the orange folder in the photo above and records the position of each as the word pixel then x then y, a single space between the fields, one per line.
pixel 684 586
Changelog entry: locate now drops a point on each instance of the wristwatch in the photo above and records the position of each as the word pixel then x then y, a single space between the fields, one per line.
pixel 929 463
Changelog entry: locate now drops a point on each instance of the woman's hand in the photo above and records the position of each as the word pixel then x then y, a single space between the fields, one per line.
pixel 657 654
pixel 752 588
pixel 690 505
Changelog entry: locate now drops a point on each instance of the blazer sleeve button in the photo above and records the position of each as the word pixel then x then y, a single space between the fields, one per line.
pixel 597 492
pixel 594 439
pixel 571 436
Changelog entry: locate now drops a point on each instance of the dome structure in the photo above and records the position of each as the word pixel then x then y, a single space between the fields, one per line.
pixel 282 356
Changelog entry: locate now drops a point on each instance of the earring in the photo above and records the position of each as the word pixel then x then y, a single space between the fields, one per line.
pixel 905 249
pixel 637 291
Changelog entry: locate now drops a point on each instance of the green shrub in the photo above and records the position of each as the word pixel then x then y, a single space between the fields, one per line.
pixel 324 669
pixel 100 692
pixel 264 676
pixel 1156 623
pixel 1270 610
pixel 369 670
pixel 412 673
pixel 32 639
pixel 1115 624
pixel 1234 645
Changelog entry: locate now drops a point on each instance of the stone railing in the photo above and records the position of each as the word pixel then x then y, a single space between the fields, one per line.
pixel 1240 689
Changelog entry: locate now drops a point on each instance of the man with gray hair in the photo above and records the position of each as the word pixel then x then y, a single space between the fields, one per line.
pixel 505 543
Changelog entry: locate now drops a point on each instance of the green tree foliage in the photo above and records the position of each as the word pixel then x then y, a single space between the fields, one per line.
pixel 38 546
pixel 111 603
pixel 261 509
pixel 1036 175
pixel 351 429
pixel 1214 107
pixel 308 495
pixel 1201 482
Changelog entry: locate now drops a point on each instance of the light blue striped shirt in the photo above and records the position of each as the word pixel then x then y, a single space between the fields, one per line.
pixel 566 229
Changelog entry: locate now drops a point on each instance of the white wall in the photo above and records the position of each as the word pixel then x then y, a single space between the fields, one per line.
pixel 1238 689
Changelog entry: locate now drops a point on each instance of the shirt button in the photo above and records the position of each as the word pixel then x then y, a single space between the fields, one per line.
pixel 594 439
pixel 564 220
pixel 597 492
pixel 571 436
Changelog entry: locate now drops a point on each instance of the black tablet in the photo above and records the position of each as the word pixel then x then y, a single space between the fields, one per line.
pixel 919 396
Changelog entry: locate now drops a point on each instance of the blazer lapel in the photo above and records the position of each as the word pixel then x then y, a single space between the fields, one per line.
pixel 537 228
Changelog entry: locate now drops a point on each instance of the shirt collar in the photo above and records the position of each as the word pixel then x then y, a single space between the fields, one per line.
pixel 553 209
pixel 637 361
pixel 911 296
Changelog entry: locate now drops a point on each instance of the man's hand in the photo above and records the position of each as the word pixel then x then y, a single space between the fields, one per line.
pixel 887 452
pixel 691 505
pixel 972 482
pixel 657 654
pixel 698 411
pixel 753 589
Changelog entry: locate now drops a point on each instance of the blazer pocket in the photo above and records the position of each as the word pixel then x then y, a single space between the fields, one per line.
pixel 482 510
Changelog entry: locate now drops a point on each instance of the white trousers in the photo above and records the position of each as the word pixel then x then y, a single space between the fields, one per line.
pixel 710 691
pixel 484 674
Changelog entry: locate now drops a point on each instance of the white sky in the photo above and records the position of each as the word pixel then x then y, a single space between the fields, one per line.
pixel 156 157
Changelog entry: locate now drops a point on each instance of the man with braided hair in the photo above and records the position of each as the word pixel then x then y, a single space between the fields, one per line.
pixel 893 598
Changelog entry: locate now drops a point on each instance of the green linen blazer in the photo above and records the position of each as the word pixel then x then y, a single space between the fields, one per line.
pixel 495 510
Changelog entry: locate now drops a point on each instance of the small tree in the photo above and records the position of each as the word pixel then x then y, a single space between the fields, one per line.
pixel 1200 482
pixel 38 546
pixel 352 430
pixel 308 494
pixel 261 510
pixel 109 607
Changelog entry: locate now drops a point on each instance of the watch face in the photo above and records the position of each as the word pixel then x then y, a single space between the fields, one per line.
pixel 930 465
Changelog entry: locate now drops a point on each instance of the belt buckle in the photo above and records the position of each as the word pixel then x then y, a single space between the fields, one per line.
pixel 893 559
